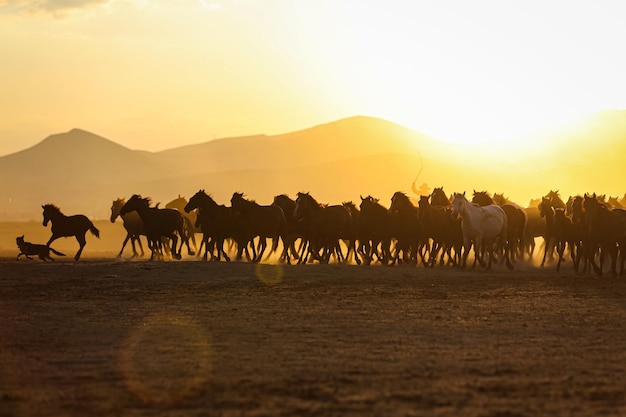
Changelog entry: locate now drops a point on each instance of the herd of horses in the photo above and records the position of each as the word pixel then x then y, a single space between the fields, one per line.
pixel 435 229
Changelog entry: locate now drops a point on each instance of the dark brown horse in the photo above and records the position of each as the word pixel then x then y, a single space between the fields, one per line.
pixel 132 224
pixel 439 198
pixel 409 238
pixel 378 229
pixel 295 229
pixel 263 222
pixel 567 233
pixel 158 223
pixel 438 225
pixel 65 226
pixel 326 226
pixel 217 223
pixel 606 230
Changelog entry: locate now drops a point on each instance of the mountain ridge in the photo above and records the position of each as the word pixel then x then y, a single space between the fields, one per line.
pixel 85 171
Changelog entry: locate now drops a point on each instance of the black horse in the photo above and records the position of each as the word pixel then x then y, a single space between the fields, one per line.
pixel 263 222
pixel 65 226
pixel 158 223
pixel 218 223
pixel 436 223
pixel 606 231
pixel 409 237
pixel 325 226
pixel 377 228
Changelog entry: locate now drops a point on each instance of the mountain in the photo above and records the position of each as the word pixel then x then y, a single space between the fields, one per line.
pixel 347 138
pixel 82 172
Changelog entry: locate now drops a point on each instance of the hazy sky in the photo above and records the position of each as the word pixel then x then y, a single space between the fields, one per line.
pixel 156 74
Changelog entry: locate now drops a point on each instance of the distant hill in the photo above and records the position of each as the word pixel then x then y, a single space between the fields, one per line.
pixel 83 172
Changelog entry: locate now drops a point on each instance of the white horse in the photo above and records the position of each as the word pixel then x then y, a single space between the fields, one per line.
pixel 485 227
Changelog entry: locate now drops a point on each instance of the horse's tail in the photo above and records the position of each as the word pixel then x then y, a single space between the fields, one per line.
pixel 94 231
pixel 56 252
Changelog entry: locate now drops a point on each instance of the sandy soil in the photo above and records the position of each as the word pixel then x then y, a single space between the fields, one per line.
pixel 117 337
pixel 107 336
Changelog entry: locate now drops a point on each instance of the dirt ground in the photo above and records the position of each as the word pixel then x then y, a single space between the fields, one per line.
pixel 109 337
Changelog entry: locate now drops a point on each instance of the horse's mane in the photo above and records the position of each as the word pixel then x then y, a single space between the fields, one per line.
pixel 51 207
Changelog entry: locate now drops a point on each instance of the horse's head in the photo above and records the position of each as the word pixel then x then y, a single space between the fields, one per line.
pixel 178 203
pixel 135 203
pixel 195 201
pixel 458 203
pixel 500 199
pixel 303 205
pixel 555 199
pixel 439 198
pixel 482 198
pixel 49 212
pixel 545 207
pixel 237 202
pixel 399 202
pixel 116 207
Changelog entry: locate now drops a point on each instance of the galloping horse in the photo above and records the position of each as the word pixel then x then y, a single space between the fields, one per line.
pixel 436 223
pixel 158 223
pixel 378 228
pixel 326 226
pixel 516 220
pixel 262 221
pixel 409 236
pixel 217 223
pixel 132 224
pixel 484 227
pixel 65 226
pixel 179 204
pixel 606 230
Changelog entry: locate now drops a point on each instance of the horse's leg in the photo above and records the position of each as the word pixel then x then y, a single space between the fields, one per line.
pixel 82 242
pixel 119 255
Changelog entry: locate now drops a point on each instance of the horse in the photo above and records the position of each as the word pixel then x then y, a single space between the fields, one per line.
pixel 325 226
pixel 566 232
pixel 158 223
pixel 484 227
pixel 439 198
pixel 264 222
pixel 516 221
pixel 132 224
pixel 409 238
pixel 546 210
pixel 190 219
pixel 65 226
pixel 295 229
pixel 377 226
pixel 218 223
pixel 437 224
pixel 606 230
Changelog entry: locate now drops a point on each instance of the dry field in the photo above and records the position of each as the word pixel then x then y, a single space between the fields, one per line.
pixel 107 337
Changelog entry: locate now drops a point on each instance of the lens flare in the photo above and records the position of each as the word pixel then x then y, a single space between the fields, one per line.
pixel 166 359
pixel 270 275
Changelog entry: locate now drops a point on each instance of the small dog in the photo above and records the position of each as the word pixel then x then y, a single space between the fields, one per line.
pixel 31 249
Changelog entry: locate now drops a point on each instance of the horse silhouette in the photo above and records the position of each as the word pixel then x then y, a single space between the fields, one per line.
pixel 263 222
pixel 325 226
pixel 158 223
pixel 218 223
pixel 132 223
pixel 190 219
pixel 409 236
pixel 377 227
pixel 66 226
pixel 606 232
pixel 438 225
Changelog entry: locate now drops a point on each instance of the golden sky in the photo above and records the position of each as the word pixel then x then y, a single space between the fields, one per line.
pixel 156 74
